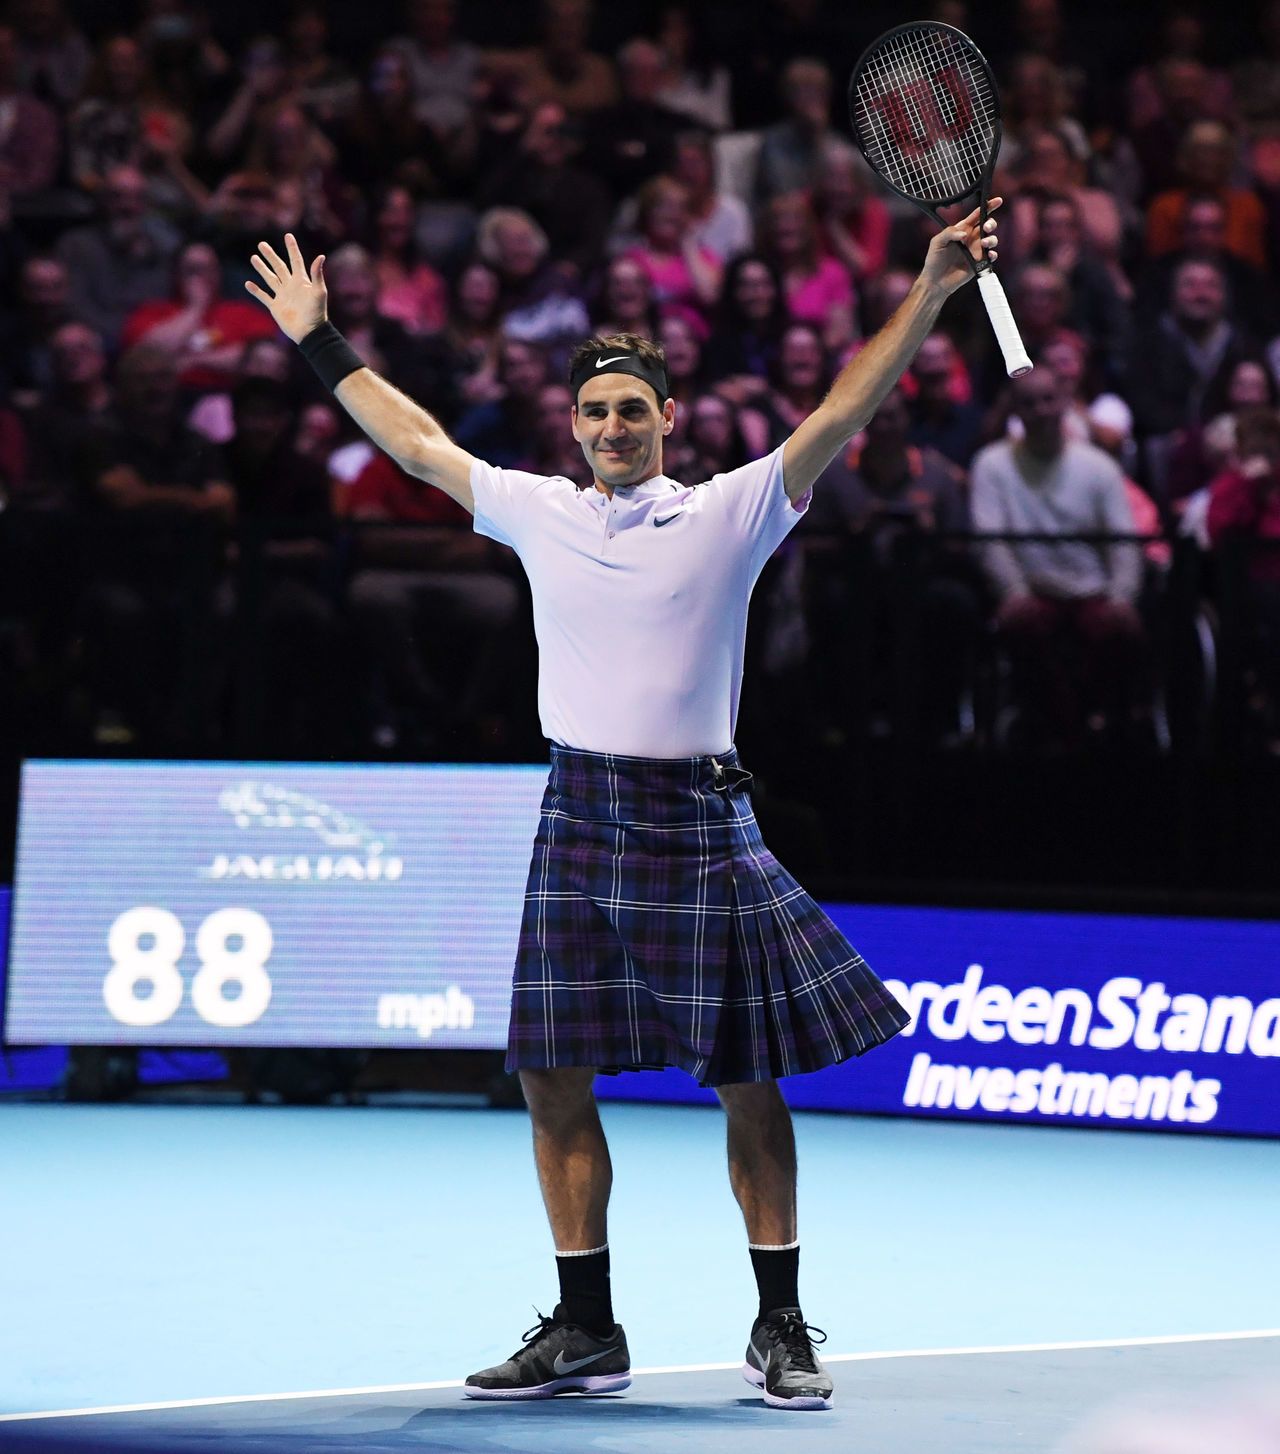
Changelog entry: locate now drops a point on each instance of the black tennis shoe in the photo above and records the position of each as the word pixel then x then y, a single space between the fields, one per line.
pixel 781 1361
pixel 557 1357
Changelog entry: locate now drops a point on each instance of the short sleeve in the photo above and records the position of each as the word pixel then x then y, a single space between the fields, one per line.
pixel 754 501
pixel 503 499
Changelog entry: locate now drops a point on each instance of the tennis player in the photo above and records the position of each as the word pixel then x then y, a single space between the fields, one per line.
pixel 658 929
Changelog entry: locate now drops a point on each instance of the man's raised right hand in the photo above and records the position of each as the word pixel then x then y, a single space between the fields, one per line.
pixel 297 300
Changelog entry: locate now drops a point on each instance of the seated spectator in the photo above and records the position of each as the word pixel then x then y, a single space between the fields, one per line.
pixel 1180 361
pixel 792 151
pixel 536 301
pixel 634 139
pixel 383 138
pixel 299 163
pixel 817 289
pixel 443 69
pixel 717 438
pixel 1204 451
pixel 1181 38
pixel 26 332
pixel 800 380
pixel 283 499
pixel 122 260
pixel 499 432
pixel 264 84
pixel 682 343
pixel 1037 99
pixel 562 68
pixel 78 400
pixel 30 144
pixel 409 288
pixel 434 607
pixel 154 637
pixel 473 333
pixel 1041 303
pixel 552 447
pixel 720 221
pixel 1251 294
pixel 1206 159
pixel 938 420
pixel 853 222
pixel 1047 167
pixel 1067 613
pixel 53 55
pixel 744 344
pixel 318 81
pixel 680 270
pixel 1244 506
pixel 539 177
pixel 884 488
pixel 626 302
pixel 382 342
pixel 1097 310
pixel 204 332
pixel 697 84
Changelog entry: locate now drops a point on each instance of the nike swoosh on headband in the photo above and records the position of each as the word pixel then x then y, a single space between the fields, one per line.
pixel 669 519
pixel 621 358
pixel 562 1365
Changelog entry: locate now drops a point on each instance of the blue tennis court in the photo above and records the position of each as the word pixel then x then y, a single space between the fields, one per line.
pixel 233 1278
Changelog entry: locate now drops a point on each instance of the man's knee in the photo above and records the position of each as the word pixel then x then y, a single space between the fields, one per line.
pixel 558 1096
pixel 756 1100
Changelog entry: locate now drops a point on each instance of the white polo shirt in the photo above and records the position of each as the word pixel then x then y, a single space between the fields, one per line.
pixel 639 602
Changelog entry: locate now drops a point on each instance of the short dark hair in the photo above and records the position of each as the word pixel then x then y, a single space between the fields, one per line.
pixel 645 348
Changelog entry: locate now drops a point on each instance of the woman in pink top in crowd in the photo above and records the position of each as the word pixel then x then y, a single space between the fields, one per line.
pixel 817 287
pixel 680 271
pixel 409 289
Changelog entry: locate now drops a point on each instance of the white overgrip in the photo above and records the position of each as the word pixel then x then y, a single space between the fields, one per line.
pixel 1016 358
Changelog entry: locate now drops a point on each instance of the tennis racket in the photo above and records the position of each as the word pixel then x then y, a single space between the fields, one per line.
pixel 926 115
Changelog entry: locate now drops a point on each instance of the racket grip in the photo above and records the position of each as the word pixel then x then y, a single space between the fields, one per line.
pixel 1016 359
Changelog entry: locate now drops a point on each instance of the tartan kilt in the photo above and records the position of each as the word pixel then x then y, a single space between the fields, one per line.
pixel 658 930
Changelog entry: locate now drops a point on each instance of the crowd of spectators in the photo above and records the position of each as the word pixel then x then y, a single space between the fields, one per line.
pixel 486 200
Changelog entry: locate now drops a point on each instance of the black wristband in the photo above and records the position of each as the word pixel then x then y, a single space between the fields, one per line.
pixel 332 357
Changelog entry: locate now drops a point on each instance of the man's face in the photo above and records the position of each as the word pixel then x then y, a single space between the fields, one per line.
pixel 1039 402
pixel 354 290
pixel 521 369
pixel 642 72
pixel 932 370
pixel 45 288
pixel 124 195
pixel 1059 226
pixel 1198 295
pixel 620 427
pixel 1204 230
pixel 1041 298
pixel 801 362
pixel 78 357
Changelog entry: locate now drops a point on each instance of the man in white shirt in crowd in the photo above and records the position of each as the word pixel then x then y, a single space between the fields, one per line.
pixel 658 929
pixel 1067 613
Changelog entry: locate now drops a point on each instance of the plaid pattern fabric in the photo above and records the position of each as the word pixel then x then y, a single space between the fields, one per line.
pixel 659 930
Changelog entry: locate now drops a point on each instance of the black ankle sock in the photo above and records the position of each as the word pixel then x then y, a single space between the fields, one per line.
pixel 777 1276
pixel 584 1290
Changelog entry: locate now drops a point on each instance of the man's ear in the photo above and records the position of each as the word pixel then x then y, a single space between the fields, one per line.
pixel 573 416
pixel 668 416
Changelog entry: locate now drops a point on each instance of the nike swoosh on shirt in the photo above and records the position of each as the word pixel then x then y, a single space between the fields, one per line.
pixel 563 1365
pixel 621 358
pixel 668 519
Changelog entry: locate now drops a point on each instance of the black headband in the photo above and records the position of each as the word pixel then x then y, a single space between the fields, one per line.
pixel 621 361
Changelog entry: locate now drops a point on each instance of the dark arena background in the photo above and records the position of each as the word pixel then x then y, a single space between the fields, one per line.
pixel 270 756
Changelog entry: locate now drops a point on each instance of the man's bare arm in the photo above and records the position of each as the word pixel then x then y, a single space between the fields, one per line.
pixel 870 374
pixel 297 300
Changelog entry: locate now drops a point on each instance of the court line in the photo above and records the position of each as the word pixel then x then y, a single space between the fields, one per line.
pixel 254 1398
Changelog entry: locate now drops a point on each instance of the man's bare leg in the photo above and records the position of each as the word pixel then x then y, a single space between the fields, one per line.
pixel 762 1160
pixel 572 1156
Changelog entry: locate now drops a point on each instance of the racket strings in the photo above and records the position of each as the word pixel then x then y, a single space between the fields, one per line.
pixel 945 152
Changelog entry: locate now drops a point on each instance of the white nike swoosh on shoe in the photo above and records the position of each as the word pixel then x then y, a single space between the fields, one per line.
pixel 563 1365
pixel 621 358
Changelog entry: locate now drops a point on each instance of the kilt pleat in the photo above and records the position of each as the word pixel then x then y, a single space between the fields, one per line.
pixel 658 930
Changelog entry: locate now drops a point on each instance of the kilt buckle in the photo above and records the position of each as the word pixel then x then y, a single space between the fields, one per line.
pixel 725 779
